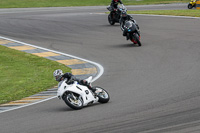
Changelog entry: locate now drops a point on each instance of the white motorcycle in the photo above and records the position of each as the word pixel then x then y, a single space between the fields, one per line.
pixel 77 96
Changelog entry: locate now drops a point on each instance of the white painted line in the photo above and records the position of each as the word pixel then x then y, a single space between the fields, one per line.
pixel 28 104
pixel 101 69
pixel 171 16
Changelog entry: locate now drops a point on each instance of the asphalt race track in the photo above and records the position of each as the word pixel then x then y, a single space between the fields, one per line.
pixel 154 88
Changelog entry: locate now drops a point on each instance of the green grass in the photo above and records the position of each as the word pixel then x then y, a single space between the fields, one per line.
pixel 64 3
pixel 187 12
pixel 24 74
pixel 147 2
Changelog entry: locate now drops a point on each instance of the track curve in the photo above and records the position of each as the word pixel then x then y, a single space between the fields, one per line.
pixel 153 88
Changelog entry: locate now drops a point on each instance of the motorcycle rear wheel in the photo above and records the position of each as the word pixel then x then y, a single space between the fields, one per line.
pixel 73 101
pixel 137 39
pixel 190 6
pixel 102 95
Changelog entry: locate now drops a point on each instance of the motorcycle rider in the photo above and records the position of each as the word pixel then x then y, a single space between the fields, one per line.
pixel 126 17
pixel 114 4
pixel 59 76
pixel 128 24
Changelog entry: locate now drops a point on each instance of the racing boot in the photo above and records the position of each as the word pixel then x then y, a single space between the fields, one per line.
pixel 91 88
pixel 127 37
pixel 137 26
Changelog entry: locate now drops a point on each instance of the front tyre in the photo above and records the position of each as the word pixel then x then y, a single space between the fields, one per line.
pixel 102 94
pixel 73 100
pixel 137 39
pixel 190 6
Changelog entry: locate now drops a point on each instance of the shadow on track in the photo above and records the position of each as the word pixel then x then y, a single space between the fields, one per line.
pixel 128 45
pixel 66 108
pixel 107 25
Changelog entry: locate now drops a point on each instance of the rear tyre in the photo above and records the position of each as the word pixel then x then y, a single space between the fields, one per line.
pixel 73 100
pixel 137 39
pixel 110 20
pixel 102 94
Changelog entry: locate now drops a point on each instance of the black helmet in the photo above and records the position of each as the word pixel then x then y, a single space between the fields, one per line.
pixel 124 14
pixel 128 24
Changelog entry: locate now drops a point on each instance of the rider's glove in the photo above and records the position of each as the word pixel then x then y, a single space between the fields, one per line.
pixel 85 82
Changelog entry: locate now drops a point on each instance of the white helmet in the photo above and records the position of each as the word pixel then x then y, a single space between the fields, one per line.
pixel 58 74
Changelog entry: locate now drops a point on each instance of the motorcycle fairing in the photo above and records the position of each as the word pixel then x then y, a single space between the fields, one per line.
pixel 86 94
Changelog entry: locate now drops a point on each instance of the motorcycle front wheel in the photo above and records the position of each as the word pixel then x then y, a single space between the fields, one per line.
pixel 137 39
pixel 73 100
pixel 190 6
pixel 102 94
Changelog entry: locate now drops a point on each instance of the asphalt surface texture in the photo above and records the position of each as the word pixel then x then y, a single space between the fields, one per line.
pixel 154 88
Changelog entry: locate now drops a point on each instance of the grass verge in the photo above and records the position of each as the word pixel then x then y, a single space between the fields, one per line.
pixel 64 3
pixel 191 13
pixel 24 74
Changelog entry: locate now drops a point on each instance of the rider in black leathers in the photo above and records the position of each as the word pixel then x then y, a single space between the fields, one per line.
pixel 114 3
pixel 127 24
pixel 59 76
pixel 126 17
pixel 115 11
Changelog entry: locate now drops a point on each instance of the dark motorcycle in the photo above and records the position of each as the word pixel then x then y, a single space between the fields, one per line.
pixel 192 4
pixel 115 14
pixel 124 18
pixel 132 32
